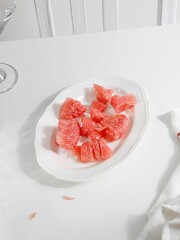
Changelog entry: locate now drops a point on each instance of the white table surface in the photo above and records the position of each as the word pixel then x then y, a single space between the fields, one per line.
pixel 114 205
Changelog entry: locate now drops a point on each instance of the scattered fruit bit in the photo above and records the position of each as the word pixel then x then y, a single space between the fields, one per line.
pixel 32 215
pixel 68 198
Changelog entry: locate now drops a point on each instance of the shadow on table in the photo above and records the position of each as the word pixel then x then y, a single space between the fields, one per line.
pixel 135 225
pixel 27 156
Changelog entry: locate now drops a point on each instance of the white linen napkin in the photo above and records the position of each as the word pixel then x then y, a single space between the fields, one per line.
pixel 164 218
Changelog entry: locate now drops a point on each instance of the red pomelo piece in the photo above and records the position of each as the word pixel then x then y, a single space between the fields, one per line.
pixel 110 134
pixel 96 110
pixel 77 152
pixel 88 125
pixel 114 126
pixel 68 134
pixel 106 151
pixel 96 115
pixel 110 91
pixel 96 149
pixel 94 135
pixel 98 106
pixel 71 108
pixel 103 94
pixel 86 152
pixel 122 103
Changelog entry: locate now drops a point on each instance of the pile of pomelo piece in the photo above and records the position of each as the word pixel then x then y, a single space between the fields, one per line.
pixel 95 125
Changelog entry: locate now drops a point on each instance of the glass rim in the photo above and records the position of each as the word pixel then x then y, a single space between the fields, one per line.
pixel 7 18
pixel 16 76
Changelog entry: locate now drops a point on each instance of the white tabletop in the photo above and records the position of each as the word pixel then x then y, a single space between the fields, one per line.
pixel 114 205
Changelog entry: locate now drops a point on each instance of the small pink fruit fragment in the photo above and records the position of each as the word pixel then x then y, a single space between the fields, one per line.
pixel 68 198
pixel 32 215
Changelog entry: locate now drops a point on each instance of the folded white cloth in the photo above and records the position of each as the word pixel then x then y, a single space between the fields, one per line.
pixel 164 218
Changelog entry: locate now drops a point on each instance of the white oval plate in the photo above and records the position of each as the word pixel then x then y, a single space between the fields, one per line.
pixel 61 163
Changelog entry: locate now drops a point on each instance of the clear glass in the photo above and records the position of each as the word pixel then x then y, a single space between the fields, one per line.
pixel 7 7
pixel 8 77
pixel 8 74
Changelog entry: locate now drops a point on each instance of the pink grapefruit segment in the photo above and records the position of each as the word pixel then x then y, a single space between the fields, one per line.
pixel 103 94
pixel 86 152
pixel 96 150
pixel 114 127
pixel 122 103
pixel 105 150
pixel 96 115
pixel 91 151
pixel 95 135
pixel 72 108
pixel 87 126
pixel 98 106
pixel 68 134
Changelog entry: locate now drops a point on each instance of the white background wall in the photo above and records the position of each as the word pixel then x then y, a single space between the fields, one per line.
pixel 132 14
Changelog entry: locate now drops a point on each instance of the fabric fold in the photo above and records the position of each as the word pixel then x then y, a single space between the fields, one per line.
pixel 164 217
